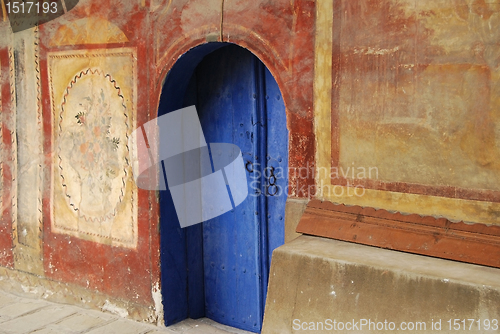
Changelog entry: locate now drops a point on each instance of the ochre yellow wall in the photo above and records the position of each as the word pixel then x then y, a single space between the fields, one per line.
pixel 412 89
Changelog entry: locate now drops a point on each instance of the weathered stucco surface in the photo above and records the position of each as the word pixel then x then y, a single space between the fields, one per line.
pixel 415 98
pixel 411 88
pixel 95 74
pixel 419 91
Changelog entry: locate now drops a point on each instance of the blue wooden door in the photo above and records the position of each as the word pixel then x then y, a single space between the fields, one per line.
pixel 227 258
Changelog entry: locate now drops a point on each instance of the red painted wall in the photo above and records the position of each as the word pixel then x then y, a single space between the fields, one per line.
pixel 6 255
pixel 120 272
pixel 280 33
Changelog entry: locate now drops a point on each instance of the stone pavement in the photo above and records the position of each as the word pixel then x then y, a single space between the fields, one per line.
pixel 24 315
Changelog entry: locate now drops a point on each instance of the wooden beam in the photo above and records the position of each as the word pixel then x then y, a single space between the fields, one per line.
pixel 425 235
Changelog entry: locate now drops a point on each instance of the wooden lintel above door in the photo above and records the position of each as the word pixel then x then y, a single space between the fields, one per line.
pixel 425 235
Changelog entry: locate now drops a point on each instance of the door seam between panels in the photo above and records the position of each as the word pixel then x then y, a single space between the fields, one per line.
pixel 222 21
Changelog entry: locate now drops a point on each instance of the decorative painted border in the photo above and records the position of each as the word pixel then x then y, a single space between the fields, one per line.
pixel 482 195
pixel 13 152
pixel 67 91
pixel 130 52
pixel 40 122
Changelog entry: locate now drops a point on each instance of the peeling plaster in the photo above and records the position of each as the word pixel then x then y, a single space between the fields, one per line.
pixel 109 307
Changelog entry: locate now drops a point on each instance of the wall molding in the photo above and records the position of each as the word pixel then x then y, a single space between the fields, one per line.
pixel 424 235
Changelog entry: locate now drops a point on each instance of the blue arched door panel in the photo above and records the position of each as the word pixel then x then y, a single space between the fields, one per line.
pixel 222 272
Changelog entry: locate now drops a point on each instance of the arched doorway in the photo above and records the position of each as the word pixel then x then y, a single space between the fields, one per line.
pixel 219 269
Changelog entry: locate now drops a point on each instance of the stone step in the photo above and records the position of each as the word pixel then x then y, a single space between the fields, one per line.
pixel 315 281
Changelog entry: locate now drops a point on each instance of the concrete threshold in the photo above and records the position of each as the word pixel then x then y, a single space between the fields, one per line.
pixel 320 285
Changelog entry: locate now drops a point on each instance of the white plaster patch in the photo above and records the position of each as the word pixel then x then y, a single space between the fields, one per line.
pixel 29 289
pixel 375 51
pixel 47 294
pixel 109 307
pixel 156 292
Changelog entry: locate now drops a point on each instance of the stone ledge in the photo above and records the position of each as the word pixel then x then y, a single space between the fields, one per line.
pixel 313 279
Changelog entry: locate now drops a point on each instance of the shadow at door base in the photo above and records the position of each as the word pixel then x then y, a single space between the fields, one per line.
pixel 203 326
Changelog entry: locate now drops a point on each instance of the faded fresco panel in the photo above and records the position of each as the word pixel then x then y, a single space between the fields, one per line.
pixel 420 91
pixel 93 99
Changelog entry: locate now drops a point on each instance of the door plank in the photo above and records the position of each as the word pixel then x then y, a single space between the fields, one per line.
pixel 231 242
